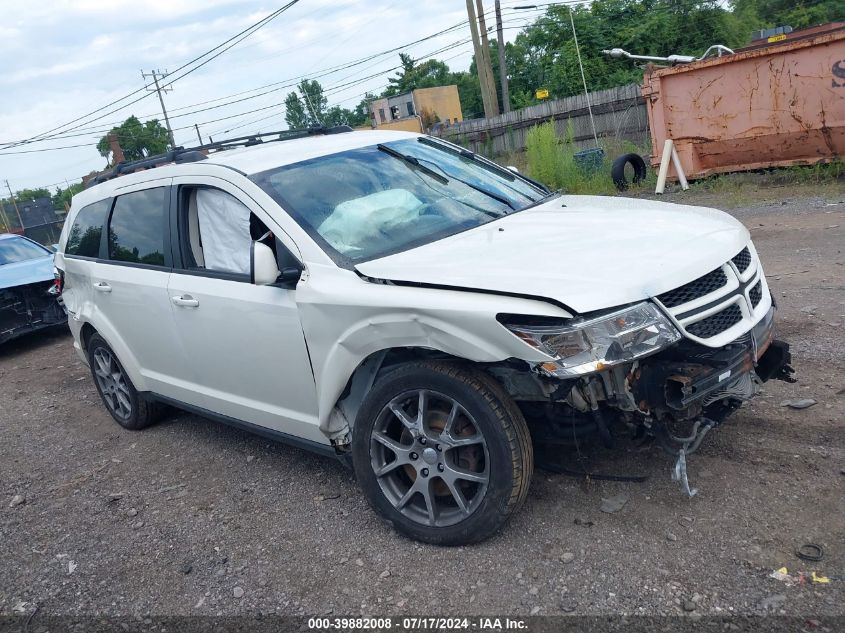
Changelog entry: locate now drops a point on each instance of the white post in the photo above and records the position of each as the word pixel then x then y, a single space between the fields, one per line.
pixel 668 148
pixel 676 161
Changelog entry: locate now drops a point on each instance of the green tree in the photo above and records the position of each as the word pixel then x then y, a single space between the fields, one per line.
pixel 412 76
pixel 795 13
pixel 138 140
pixel 295 114
pixel 309 107
pixel 62 197
pixel 31 194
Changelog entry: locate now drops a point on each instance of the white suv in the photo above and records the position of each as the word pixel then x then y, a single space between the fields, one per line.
pixel 407 305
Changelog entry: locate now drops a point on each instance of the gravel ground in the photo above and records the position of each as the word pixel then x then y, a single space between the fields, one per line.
pixel 194 518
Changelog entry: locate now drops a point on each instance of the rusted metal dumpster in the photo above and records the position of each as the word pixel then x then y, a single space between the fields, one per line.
pixel 766 107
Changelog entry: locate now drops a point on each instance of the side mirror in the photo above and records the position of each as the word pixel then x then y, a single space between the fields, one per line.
pixel 513 169
pixel 263 269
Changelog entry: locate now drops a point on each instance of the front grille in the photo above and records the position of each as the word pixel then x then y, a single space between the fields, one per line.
pixel 716 323
pixel 694 289
pixel 742 260
pixel 756 294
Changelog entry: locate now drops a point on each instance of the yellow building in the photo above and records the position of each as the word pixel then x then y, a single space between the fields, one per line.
pixel 418 110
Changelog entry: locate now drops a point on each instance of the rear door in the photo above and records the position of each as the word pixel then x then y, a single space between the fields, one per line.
pixel 129 282
pixel 80 253
pixel 245 341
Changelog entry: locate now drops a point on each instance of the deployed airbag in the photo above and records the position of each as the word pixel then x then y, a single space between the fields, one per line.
pixel 224 230
pixel 355 222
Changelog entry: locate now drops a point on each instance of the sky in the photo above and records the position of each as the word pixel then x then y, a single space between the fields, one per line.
pixel 62 59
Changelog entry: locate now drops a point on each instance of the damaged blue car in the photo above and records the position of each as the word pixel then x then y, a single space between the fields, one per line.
pixel 29 291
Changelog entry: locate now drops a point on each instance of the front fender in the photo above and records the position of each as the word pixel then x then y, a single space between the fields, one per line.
pixel 347 320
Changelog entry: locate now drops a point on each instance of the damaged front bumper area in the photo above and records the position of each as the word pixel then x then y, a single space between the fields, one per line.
pixel 689 380
pixel 676 395
pixel 27 308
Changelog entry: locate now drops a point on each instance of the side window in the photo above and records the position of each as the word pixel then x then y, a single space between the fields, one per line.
pixel 84 236
pixel 218 231
pixel 137 226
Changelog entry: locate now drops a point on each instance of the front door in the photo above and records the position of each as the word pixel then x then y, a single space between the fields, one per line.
pixel 244 341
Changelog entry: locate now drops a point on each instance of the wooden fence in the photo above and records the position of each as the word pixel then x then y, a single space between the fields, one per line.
pixel 619 113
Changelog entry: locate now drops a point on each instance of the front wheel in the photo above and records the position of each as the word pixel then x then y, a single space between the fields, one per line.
pixel 442 453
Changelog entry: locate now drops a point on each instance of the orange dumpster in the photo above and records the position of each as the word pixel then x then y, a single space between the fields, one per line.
pixel 764 107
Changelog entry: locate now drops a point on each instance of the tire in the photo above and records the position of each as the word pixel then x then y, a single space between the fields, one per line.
pixel 116 390
pixel 617 171
pixel 459 479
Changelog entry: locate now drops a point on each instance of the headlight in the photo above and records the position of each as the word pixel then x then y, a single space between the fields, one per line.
pixel 587 345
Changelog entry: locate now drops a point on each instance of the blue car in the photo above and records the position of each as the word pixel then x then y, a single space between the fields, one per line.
pixel 28 289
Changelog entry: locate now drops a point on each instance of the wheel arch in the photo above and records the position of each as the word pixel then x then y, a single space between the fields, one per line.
pixel 124 355
pixel 369 370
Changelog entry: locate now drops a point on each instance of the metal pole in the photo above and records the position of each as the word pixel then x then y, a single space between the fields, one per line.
pixel 583 78
pixel 503 65
pixel 488 65
pixel 197 128
pixel 479 59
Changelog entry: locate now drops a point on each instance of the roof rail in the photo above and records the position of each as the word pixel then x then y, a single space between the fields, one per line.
pixel 200 152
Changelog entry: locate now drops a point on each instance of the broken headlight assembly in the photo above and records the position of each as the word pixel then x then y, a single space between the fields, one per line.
pixel 583 346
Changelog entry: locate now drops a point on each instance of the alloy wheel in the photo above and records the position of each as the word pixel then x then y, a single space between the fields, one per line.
pixel 112 383
pixel 430 458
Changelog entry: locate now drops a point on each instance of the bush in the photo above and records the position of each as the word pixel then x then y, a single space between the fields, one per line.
pixel 551 160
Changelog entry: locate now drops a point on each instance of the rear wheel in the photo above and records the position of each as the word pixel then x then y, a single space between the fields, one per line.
pixel 442 453
pixel 116 389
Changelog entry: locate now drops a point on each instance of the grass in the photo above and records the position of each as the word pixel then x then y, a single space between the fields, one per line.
pixel 551 160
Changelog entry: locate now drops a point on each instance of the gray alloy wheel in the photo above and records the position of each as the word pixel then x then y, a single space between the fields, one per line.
pixel 129 409
pixel 112 383
pixel 430 458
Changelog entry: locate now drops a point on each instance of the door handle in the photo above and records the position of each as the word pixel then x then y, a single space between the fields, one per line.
pixel 102 286
pixel 186 301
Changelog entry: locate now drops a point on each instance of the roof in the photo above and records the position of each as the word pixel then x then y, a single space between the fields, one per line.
pixel 257 158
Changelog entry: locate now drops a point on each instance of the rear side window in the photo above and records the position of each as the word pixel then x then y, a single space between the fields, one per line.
pixel 84 236
pixel 136 230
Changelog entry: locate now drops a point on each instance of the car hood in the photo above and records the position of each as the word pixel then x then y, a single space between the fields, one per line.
pixel 586 252
pixel 26 272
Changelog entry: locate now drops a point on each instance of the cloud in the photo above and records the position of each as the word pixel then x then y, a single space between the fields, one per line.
pixel 64 58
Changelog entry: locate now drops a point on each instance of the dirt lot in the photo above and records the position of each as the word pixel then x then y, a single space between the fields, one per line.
pixel 185 517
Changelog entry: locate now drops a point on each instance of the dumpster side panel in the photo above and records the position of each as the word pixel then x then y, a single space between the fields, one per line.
pixel 776 106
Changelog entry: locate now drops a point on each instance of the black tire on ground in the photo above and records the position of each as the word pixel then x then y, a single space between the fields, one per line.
pixel 486 410
pixel 142 413
pixel 617 171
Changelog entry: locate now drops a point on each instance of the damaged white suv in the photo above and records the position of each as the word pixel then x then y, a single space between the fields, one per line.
pixel 405 304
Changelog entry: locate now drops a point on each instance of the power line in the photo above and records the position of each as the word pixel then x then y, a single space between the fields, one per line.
pixel 218 50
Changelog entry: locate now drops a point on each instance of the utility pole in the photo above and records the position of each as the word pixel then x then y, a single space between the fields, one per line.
pixel 503 65
pixel 155 74
pixel 485 51
pixel 479 61
pixel 6 225
pixel 15 205
pixel 197 128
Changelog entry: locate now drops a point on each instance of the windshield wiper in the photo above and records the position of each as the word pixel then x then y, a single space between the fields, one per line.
pixel 413 162
pixel 479 189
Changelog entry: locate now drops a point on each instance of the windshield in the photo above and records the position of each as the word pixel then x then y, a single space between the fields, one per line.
pixel 17 249
pixel 374 201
